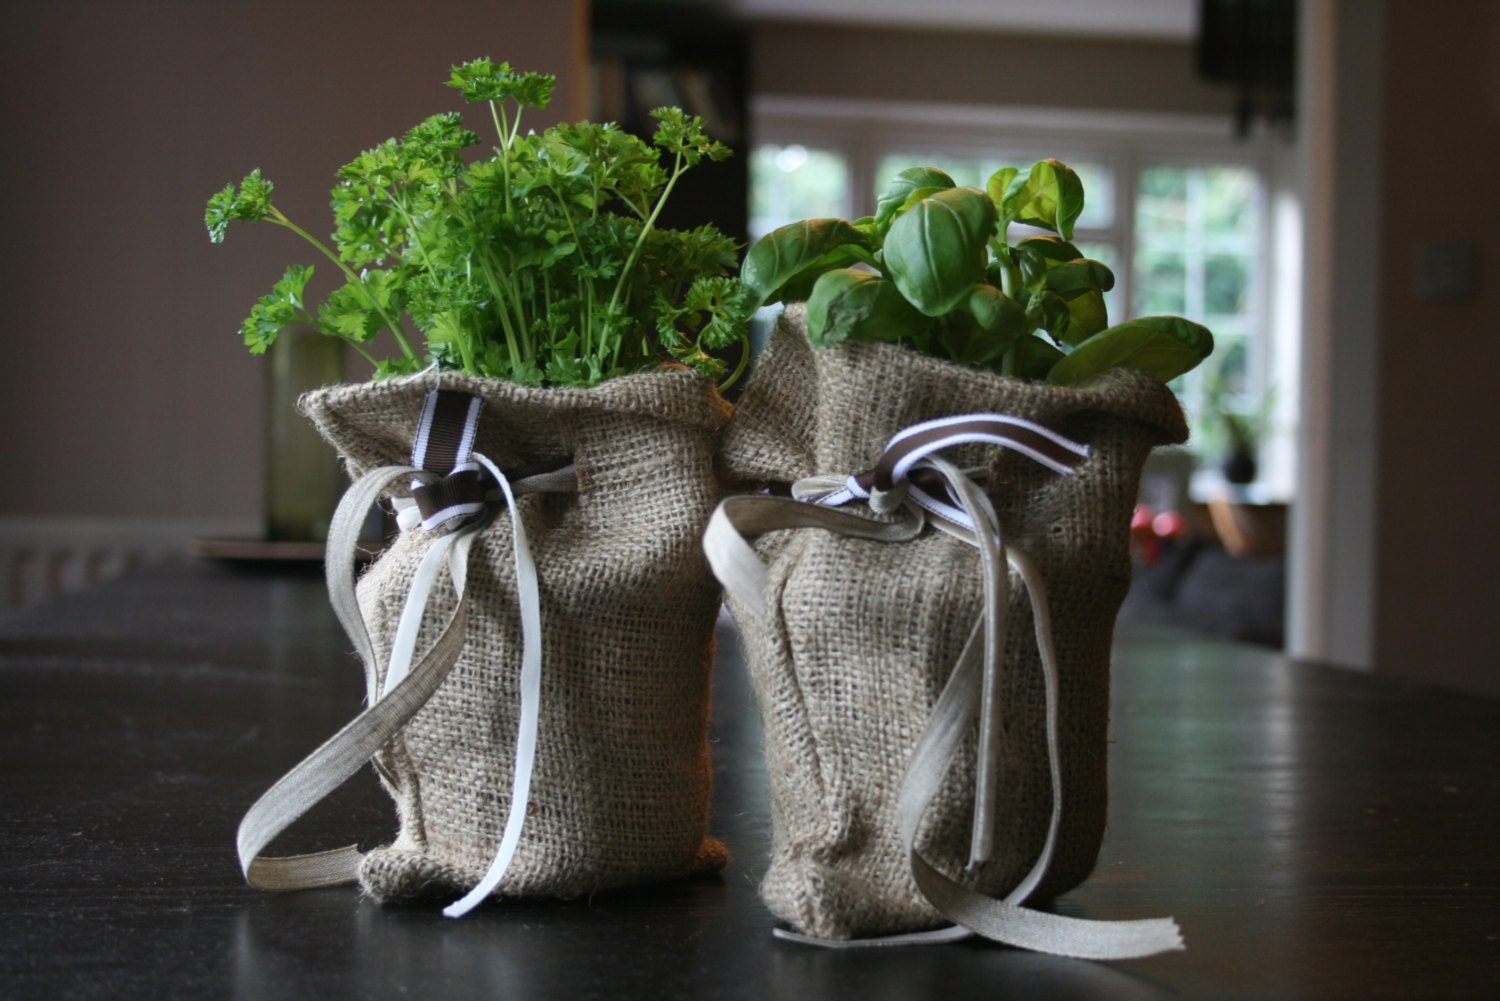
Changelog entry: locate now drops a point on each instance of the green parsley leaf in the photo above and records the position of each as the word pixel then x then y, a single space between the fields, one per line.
pixel 281 307
pixel 251 203
pixel 486 80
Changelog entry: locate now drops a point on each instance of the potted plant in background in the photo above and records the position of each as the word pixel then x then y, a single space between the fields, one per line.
pixel 912 343
pixel 1234 425
pixel 545 427
pixel 1246 523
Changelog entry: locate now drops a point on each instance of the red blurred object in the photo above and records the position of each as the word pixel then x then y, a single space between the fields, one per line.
pixel 1143 539
pixel 1169 525
pixel 1140 521
pixel 1149 528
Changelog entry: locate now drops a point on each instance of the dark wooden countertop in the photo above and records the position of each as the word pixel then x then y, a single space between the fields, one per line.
pixel 1317 833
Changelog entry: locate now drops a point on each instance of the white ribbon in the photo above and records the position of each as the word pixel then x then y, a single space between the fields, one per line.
pixel 907 450
pixel 529 596
pixel 404 644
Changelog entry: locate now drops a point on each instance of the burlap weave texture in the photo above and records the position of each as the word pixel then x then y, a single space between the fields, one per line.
pixel 620 791
pixel 860 636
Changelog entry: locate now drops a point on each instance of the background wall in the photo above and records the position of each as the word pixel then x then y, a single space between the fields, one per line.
pixel 1437 558
pixel 969 67
pixel 124 388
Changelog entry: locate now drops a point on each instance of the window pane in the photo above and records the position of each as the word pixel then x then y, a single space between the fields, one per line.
pixel 1104 253
pixel 1160 283
pixel 793 182
pixel 1098 195
pixel 1161 207
pixel 1229 202
pixel 1199 209
pixel 965 171
pixel 1166 183
pixel 1226 284
pixel 1231 362
pixel 1230 369
pixel 1196 255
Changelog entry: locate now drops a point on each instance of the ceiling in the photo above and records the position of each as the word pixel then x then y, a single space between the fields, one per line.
pixel 1145 19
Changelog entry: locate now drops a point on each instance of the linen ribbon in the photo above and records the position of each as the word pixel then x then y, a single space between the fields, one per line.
pixel 911 476
pixel 461 505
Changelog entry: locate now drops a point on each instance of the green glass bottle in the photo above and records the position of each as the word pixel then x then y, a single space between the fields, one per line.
pixel 303 477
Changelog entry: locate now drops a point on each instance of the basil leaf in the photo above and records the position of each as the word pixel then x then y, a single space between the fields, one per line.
pixel 1087 316
pixel 784 253
pixel 1073 276
pixel 997 314
pixel 799 287
pixel 1070 317
pixel 1047 311
pixel 846 303
pixel 987 327
pixel 1036 254
pixel 1049 195
pixel 998 184
pixel 936 250
pixel 1063 294
pixel 1053 248
pixel 899 194
pixel 1032 358
pixel 1165 346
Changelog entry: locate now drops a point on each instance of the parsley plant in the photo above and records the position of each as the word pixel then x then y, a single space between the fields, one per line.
pixel 540 263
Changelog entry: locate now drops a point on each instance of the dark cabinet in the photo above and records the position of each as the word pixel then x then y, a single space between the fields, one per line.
pixel 645 55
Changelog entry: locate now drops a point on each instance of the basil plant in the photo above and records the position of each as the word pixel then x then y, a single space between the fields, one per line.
pixel 934 269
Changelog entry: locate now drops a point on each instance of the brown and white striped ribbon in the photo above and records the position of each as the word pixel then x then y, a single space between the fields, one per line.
pixel 462 484
pixel 902 462
pixel 444 445
pixel 446 430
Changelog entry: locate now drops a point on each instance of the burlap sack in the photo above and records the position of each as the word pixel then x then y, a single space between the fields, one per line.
pixel 860 635
pixel 620 790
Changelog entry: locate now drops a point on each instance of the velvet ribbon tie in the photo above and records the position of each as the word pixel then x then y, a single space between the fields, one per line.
pixel 911 477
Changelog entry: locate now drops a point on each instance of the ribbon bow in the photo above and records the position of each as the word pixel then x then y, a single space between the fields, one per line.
pixel 456 504
pixel 911 475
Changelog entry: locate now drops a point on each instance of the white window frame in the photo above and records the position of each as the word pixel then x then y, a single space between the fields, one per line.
pixel 1127 143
